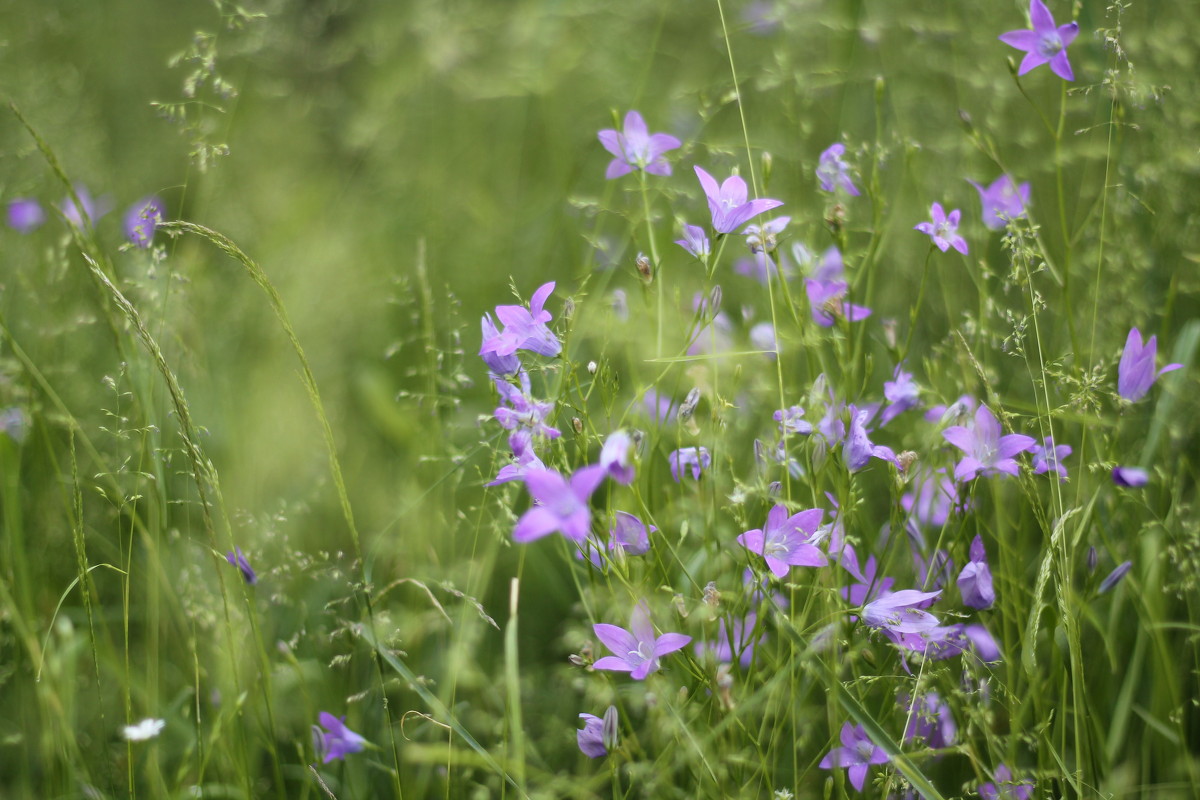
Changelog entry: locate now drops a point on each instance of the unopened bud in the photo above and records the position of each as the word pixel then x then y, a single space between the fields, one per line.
pixel 836 219
pixel 568 308
pixel 609 730
pixel 767 163
pixel 774 488
pixel 712 595
pixel 680 605
pixel 577 424
pixel 689 404
pixel 889 333
pixel 906 459
pixel 643 267
pixel 714 300
pixel 592 367
pixel 1093 559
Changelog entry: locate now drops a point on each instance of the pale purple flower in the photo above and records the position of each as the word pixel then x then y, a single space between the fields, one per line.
pixel 238 560
pixel 761 267
pixel 562 505
pixel 1045 43
pixel 1114 577
pixel 1130 477
pixel 739 645
pixel 901 612
pixel 868 587
pixel 784 540
pixel 522 414
pixel 833 172
pixel 958 411
pixel 526 459
pixel 764 238
pixel 336 741
pixel 617 457
pixel 930 721
pixel 857 448
pixel 762 337
pixel 942 642
pixel 933 497
pixel 943 229
pixel 695 241
pixel 636 148
pixel 25 214
pixel 498 364
pixel 986 452
pixel 856 753
pixel 598 736
pixel 1047 457
pixel 1005 788
pixel 697 458
pixel 826 288
pixel 14 423
pixel 728 204
pixel 628 536
pixel 636 650
pixel 791 420
pixel 1003 201
pixel 658 407
pixel 141 220
pixel 525 328
pixel 975 580
pixel 902 393
pixel 1135 373
pixel 92 209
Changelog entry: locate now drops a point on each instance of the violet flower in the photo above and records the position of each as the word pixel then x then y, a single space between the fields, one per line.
pixel 525 329
pixel 239 560
pixel 856 753
pixel 857 448
pixel 25 214
pixel 784 540
pixel 975 580
pixel 1135 373
pixel 598 736
pixel 727 646
pixel 527 459
pixel 1003 201
pixel 637 650
pixel 698 458
pixel 868 587
pixel 728 204
pixel 958 411
pixel 826 288
pixel 695 241
pixel 1047 457
pixel 1114 577
pixel 1045 43
pixel 901 612
pixel 1005 788
pixel 762 337
pixel 141 220
pixel 636 148
pixel 628 536
pixel 761 267
pixel 336 741
pixel 933 497
pixel 791 420
pixel 522 414
pixel 943 230
pixel 92 209
pixel 498 364
pixel 833 172
pixel 616 457
pixel 562 504
pixel 986 451
pixel 902 393
pixel 765 238
pixel 1130 477
pixel 930 721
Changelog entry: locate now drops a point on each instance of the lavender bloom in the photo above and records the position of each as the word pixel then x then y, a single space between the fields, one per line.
pixel 1005 788
pixel 728 204
pixel 336 741
pixel 833 172
pixel 616 457
pixel 598 736
pixel 933 497
pixel 857 448
pixel 562 505
pixel 659 408
pixel 762 336
pixel 522 414
pixel 25 215
pixel 761 267
pixel 628 536
pixel 637 650
pixel 239 560
pixel 939 643
pixel 698 458
pixel 783 543
pixel 1003 201
pixel 857 753
pixel 1045 43
pixel 1114 577
pixel 14 423
pixel 867 588
pixel 826 288
pixel 695 241
pixel 1047 457
pixel 764 238
pixel 526 460
pixel 930 721
pixel 943 229
pixel 791 421
pixel 499 365
pixel 92 209
pixel 141 220
pixel 1130 477
pixel 1135 373
pixel 739 644
pixel 637 148
pixel 525 329
pixel 986 451
pixel 975 580
pixel 959 410
pixel 900 612
pixel 902 393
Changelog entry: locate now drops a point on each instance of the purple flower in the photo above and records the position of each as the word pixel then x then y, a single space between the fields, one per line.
pixel 902 393
pixel 1005 788
pixel 239 561
pixel 986 451
pixel 25 214
pixel 727 202
pixel 1047 457
pixel 522 414
pixel 658 407
pixel 857 753
pixel 526 460
pixel 933 497
pixel 561 505
pixel 760 267
pixel 1045 43
pixel 726 647
pixel 636 148
pixel 867 588
pixel 1114 577
pixel 637 650
pixel 499 365
pixel 930 721
pixel 1003 201
pixel 695 241
pixel 92 209
pixel 1135 373
pixel 943 229
pixel 616 457
pixel 598 736
pixel 901 612
pixel 959 410
pixel 762 337
pixel 826 288
pixel 975 580
pixel 336 741
pixel 697 458
pixel 628 536
pixel 783 543
pixel 141 220
pixel 833 172
pixel 14 423
pixel 525 329
pixel 791 420
pixel 857 448
pixel 1130 477
pixel 764 238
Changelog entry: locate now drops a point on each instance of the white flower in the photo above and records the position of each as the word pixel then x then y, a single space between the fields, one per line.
pixel 146 729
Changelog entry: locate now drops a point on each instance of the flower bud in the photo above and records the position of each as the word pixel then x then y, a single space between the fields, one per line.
pixel 643 267
pixel 689 404
pixel 767 162
pixel 577 424
pixel 609 736
pixel 714 300
pixel 592 367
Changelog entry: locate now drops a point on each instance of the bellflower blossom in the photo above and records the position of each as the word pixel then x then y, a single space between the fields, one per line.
pixel 868 586
pixel 1005 788
pixel 726 647
pixel 698 458
pixel 523 415
pixel 1003 201
pixel 336 741
pixel 1135 373
pixel 791 420
pixel 142 218
pixel 857 448
pixel 525 328
pixel 986 452
pixel 930 721
pixel 562 505
pixel 1045 43
pixel 628 536
pixel 1130 477
pixel 943 230
pixel 526 459
pixel 765 238
pixel 239 560
pixel 499 365
pixel 25 215
pixel 728 204
pixel 617 457
pixel 636 148
pixel 856 753
pixel 1047 457
pixel 975 580
pixel 833 172
pixel 902 393
pixel 826 288
pixel 784 540
pixel 637 650
pixel 933 497
pixel 695 241
pixel 92 209
pixel 598 736
pixel 901 612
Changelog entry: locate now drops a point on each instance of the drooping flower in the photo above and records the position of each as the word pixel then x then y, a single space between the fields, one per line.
pixel 521 414
pixel 930 721
pixel 146 729
pixel 728 204
pixel 25 214
pixel 857 448
pixel 598 736
pixel 727 646
pixel 975 580
pixel 1047 457
pixel 765 238
pixel 856 753
pixel 868 587
pixel 833 172
pixel 943 230
pixel 901 612
pixel 1135 373
pixel 1044 43
pixel 791 420
pixel 238 559
pixel 695 241
pixel 499 365
pixel 1003 201
pixel 628 536
pixel 636 148
pixel 1130 477
pixel 525 328
pixel 901 393
pixel 636 650
pixel 617 457
pixel 826 289
pixel 986 452
pixel 784 540
pixel 526 459
pixel 1005 788
pixel 562 505
pixel 697 458
pixel 336 740
pixel 1114 577
pixel 141 220
pixel 933 497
